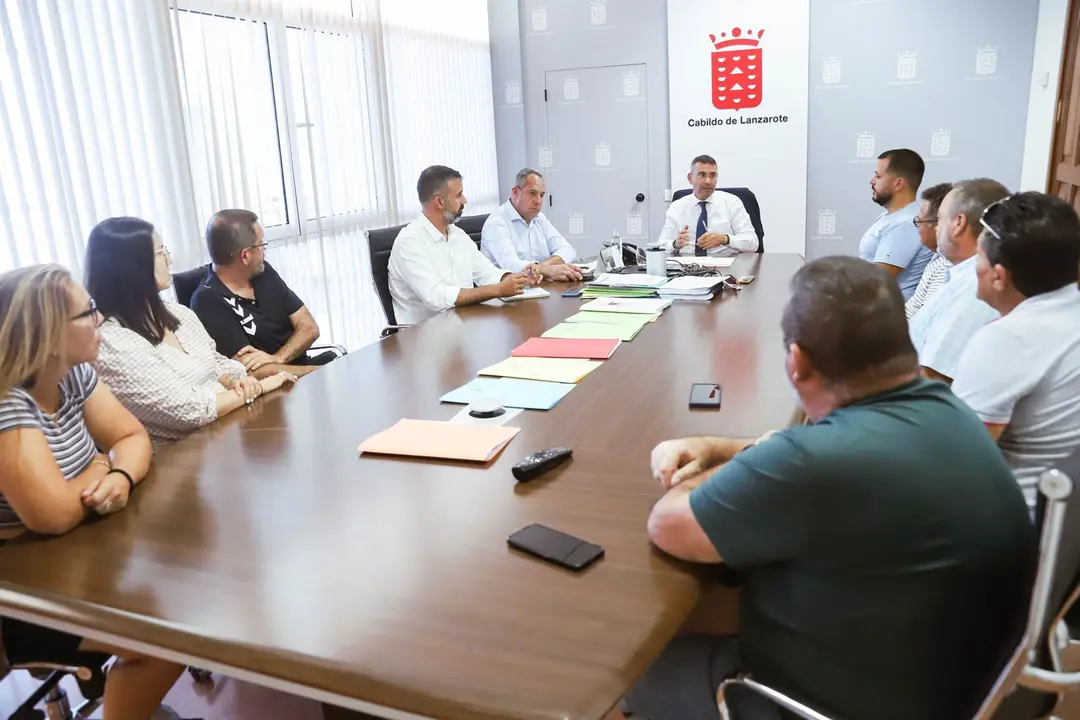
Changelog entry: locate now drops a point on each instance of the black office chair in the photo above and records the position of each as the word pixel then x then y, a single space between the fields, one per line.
pixel 380 243
pixel 473 225
pixel 749 201
pixel 1033 682
pixel 187 282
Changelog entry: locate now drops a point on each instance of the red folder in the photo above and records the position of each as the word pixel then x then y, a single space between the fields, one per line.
pixel 566 348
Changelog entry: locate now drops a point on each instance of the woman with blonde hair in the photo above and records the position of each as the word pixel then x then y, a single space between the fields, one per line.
pixel 54 416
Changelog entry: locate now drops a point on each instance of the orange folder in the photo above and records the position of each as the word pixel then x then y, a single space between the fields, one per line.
pixel 566 348
pixel 443 440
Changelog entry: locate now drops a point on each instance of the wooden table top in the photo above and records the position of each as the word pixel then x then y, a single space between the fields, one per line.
pixel 265 543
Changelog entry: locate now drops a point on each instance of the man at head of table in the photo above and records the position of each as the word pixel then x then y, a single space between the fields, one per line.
pixel 885 549
pixel 434 264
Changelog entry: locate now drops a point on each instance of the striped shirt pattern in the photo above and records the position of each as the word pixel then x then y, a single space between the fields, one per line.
pixel 931 280
pixel 65 430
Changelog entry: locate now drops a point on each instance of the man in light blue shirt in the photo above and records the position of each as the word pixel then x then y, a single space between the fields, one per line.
pixel 943 327
pixel 893 240
pixel 518 234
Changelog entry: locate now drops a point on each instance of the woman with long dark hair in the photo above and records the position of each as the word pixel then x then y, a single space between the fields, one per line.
pixel 155 355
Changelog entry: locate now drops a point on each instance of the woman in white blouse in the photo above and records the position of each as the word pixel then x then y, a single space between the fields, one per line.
pixel 156 356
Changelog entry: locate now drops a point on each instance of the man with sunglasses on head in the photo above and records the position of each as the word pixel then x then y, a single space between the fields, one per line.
pixel 247 308
pixel 942 328
pixel 1021 374
pixel 934 272
pixel 434 264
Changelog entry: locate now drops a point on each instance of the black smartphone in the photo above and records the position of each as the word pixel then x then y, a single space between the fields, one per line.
pixel 705 395
pixel 556 547
pixel 576 292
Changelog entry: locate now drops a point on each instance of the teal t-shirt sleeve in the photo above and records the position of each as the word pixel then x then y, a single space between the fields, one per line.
pixel 756 508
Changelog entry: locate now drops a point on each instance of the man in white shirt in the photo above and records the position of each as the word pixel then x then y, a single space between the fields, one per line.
pixel 518 234
pixel 892 241
pixel 942 329
pixel 934 272
pixel 1021 374
pixel 434 263
pixel 707 221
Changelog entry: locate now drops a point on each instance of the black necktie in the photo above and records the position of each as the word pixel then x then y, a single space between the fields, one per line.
pixel 702 228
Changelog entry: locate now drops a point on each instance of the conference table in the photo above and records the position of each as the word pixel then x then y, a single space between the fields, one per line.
pixel 266 548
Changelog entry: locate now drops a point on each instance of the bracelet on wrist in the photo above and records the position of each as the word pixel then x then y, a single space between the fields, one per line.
pixel 127 476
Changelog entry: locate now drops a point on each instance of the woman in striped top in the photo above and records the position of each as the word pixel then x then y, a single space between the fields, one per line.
pixel 54 415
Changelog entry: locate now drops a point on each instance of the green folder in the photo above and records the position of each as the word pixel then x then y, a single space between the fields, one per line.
pixel 594 331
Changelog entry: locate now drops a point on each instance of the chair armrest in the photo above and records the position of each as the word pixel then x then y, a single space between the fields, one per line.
pixel 776 697
pixel 339 349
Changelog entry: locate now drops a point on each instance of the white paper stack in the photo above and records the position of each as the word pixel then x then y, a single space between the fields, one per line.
pixel 689 287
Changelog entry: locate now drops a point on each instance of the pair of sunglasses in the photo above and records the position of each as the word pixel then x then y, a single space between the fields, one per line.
pixel 982 218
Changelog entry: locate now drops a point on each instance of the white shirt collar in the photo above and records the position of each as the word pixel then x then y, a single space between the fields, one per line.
pixel 512 214
pixel 432 231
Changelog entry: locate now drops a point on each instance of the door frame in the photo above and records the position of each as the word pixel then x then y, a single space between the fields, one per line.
pixel 1066 77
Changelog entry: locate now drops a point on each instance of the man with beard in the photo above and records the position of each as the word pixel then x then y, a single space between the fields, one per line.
pixel 893 240
pixel 247 308
pixel 434 264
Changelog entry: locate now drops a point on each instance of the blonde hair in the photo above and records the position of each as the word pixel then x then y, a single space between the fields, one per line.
pixel 34 312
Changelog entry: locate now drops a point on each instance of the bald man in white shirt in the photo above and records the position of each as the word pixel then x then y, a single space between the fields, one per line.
pixel 707 222
pixel 434 263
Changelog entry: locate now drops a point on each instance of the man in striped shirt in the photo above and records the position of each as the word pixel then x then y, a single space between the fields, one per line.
pixel 934 273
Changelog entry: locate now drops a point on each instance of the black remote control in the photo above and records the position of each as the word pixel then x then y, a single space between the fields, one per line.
pixel 539 463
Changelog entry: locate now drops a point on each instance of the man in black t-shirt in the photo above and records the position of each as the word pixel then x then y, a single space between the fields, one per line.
pixel 885 549
pixel 247 308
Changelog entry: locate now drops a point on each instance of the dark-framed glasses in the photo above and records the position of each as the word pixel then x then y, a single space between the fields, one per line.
pixel 991 206
pixel 919 222
pixel 90 311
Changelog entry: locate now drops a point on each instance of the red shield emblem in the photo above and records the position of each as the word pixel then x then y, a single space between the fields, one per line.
pixel 736 70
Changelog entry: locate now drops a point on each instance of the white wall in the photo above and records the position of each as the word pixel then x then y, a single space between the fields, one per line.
pixel 1042 100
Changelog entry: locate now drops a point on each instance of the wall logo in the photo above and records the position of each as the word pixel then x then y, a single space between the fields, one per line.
pixel 513 93
pixel 865 145
pixel 830 71
pixel 907 65
pixel 736 70
pixel 940 143
pixel 631 84
pixel 539 18
pixel 826 222
pixel 543 157
pixel 577 223
pixel 986 60
pixel 603 155
pixel 633 223
pixel 570 89
pixel 598 12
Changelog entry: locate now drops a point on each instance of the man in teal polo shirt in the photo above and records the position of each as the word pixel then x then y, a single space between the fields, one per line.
pixel 886 550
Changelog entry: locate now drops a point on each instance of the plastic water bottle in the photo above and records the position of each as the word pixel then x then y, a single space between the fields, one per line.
pixel 616 244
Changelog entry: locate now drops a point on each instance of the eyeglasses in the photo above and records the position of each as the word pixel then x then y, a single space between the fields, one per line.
pixel 919 222
pixel 164 252
pixel 90 311
pixel 982 218
pixel 261 246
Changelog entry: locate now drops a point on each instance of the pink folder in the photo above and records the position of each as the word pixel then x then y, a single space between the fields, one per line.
pixel 443 440
pixel 566 348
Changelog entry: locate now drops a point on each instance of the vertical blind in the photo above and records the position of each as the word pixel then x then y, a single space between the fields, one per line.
pixel 318 115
